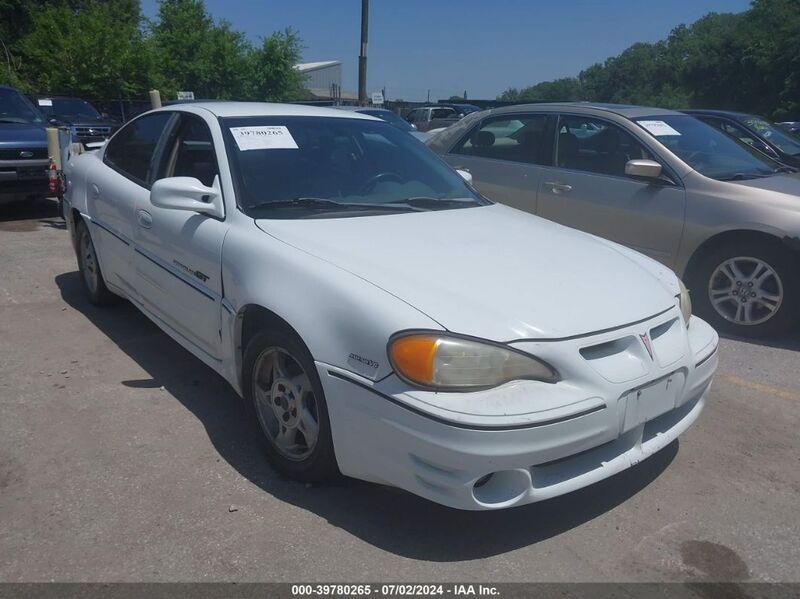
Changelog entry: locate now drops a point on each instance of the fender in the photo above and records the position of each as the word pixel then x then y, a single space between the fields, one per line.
pixel 344 320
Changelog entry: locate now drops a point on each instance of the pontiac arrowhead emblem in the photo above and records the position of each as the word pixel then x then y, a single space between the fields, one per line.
pixel 648 345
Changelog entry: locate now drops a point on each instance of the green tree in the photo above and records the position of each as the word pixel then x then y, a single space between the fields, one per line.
pixel 274 76
pixel 193 53
pixel 748 61
pixel 567 89
pixel 89 51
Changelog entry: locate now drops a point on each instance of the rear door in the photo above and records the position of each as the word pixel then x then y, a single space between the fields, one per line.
pixel 178 252
pixel 114 187
pixel 587 189
pixel 505 155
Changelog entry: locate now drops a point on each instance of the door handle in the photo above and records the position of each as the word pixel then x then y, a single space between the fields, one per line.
pixel 95 191
pixel 558 187
pixel 144 218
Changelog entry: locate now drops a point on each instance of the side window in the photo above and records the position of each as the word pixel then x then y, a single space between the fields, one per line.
pixel 596 146
pixel 412 116
pixel 191 154
pixel 516 138
pixel 442 113
pixel 131 150
pixel 733 130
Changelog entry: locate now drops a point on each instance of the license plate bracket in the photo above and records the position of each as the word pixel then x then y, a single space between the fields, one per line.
pixel 652 400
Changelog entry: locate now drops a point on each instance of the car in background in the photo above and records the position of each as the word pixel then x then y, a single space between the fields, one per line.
pixel 426 118
pixel 382 319
pixel 721 214
pixel 84 122
pixel 755 131
pixel 390 117
pixel 462 109
pixel 23 149
pixel 791 126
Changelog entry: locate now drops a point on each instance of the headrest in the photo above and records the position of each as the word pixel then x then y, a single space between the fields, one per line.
pixel 483 139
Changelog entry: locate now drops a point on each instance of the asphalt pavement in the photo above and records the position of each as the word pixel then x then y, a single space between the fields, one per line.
pixel 123 458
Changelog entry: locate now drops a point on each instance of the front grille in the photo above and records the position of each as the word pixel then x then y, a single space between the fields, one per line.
pixel 15 153
pixel 85 131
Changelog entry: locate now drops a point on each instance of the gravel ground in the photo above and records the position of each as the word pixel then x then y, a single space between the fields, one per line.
pixel 122 458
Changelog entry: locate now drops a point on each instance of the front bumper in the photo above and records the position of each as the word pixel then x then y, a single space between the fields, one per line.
pixel 596 428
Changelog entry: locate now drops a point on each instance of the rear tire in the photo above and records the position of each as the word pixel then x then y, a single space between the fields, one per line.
pixel 89 267
pixel 285 398
pixel 749 288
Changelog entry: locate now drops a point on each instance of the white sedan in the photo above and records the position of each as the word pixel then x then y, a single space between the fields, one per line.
pixel 381 318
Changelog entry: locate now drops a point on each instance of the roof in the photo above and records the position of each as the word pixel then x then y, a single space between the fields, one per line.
pixel 628 111
pixel 234 109
pixel 313 66
pixel 730 113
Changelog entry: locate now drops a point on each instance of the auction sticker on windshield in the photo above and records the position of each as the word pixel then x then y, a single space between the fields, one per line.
pixel 263 138
pixel 658 128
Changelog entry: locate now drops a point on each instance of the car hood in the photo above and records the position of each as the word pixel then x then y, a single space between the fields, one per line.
pixel 788 183
pixel 22 133
pixel 492 272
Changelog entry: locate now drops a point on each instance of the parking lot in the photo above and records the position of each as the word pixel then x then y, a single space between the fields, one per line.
pixel 123 458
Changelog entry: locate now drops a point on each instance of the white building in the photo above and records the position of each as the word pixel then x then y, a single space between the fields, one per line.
pixel 324 80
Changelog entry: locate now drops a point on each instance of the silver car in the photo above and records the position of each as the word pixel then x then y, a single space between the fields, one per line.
pixel 722 215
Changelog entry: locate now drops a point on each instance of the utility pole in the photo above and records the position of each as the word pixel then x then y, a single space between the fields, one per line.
pixel 362 58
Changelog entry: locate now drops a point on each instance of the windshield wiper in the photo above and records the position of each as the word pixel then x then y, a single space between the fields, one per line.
pixel 326 203
pixel 426 202
pixel 13 120
pixel 743 177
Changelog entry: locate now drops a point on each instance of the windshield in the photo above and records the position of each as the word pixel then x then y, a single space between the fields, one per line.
pixel 16 109
pixel 302 167
pixel 67 107
pixel 708 150
pixel 785 142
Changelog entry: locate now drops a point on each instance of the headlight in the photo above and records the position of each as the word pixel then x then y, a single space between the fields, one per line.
pixel 684 303
pixel 440 361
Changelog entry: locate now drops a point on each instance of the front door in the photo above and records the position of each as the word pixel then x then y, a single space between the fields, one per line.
pixel 588 189
pixel 178 253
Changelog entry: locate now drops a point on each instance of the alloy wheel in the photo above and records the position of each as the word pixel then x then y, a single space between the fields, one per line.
pixel 89 260
pixel 745 290
pixel 285 403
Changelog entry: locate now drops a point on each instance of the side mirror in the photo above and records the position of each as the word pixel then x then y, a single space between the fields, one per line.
pixel 646 169
pixel 187 193
pixel 466 175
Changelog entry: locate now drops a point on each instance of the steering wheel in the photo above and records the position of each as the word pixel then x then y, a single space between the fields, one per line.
pixel 374 180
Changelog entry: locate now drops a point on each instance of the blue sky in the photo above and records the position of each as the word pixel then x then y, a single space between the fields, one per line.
pixel 483 46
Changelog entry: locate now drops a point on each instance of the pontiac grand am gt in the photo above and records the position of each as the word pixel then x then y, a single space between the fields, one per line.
pixel 381 319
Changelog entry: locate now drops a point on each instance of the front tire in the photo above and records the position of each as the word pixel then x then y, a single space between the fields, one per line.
pixel 89 267
pixel 749 288
pixel 284 395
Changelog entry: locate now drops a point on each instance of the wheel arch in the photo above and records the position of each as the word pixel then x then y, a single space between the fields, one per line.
pixel 733 236
pixel 252 318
